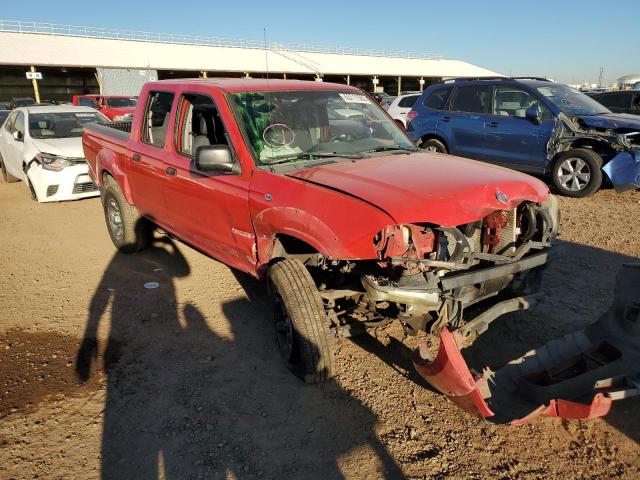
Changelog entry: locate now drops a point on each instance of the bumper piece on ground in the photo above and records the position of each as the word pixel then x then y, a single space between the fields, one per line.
pixel 624 171
pixel 576 376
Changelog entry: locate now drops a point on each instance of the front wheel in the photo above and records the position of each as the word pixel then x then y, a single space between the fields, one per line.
pixel 301 322
pixel 433 145
pixel 129 231
pixel 577 173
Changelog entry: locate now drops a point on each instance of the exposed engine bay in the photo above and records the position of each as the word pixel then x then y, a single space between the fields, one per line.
pixel 427 275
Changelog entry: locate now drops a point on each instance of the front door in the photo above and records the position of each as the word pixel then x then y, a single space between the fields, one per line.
pixel 207 209
pixel 511 139
pixel 148 155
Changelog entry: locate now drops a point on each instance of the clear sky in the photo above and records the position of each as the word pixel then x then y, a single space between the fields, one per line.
pixel 563 39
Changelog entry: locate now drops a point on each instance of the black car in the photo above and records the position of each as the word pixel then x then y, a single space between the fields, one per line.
pixel 627 101
pixel 22 102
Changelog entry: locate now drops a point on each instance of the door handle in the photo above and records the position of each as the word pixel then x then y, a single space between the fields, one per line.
pixel 494 124
pixel 446 118
pixel 170 171
pixel 136 157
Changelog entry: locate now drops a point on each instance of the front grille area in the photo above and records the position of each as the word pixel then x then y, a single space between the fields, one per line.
pixel 85 187
pixel 52 190
pixel 507 236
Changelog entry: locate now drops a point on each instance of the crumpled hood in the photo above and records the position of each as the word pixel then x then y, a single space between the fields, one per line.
pixel 611 121
pixel 64 147
pixel 428 187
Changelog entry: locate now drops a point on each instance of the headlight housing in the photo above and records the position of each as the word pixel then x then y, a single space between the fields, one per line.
pixel 53 162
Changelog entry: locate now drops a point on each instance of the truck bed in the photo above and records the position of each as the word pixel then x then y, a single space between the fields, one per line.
pixel 119 130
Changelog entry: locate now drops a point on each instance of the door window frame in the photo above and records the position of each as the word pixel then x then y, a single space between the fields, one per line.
pixel 145 118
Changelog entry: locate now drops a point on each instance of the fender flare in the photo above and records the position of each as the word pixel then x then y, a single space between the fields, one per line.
pixel 295 223
pixel 107 163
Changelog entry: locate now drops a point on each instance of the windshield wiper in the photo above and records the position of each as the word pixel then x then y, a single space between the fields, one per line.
pixel 389 148
pixel 309 156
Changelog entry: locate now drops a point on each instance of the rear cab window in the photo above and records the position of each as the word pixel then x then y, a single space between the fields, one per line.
pixel 156 118
pixel 438 98
pixel 471 99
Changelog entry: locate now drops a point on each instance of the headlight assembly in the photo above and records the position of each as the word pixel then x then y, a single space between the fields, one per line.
pixel 53 162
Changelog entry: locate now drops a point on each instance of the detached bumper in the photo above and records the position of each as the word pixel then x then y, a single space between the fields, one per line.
pixel 575 377
pixel 624 171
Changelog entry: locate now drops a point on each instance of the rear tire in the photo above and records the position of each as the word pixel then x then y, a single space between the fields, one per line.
pixel 129 231
pixel 577 173
pixel 6 176
pixel 301 322
pixel 434 145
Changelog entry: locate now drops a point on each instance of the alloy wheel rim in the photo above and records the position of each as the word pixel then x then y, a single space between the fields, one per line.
pixel 574 174
pixel 115 218
pixel 431 148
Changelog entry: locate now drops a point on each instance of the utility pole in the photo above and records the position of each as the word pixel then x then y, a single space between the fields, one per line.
pixel 600 77
pixel 34 82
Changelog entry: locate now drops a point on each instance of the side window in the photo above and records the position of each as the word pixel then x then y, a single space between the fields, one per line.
pixel 513 102
pixel 437 99
pixel 636 102
pixel 407 102
pixel 156 118
pixel 87 102
pixel 471 99
pixel 198 124
pixel 18 125
pixel 8 124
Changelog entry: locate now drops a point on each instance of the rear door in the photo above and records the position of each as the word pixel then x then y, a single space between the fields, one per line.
pixel 207 209
pixel 148 155
pixel 429 112
pixel 469 108
pixel 511 139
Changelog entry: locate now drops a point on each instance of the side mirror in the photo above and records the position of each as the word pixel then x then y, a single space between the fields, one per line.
pixel 17 136
pixel 534 114
pixel 215 158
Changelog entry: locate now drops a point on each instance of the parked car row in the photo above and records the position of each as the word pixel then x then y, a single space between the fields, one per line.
pixel 119 108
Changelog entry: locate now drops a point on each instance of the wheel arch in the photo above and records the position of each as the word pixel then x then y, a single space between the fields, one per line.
pixel 435 136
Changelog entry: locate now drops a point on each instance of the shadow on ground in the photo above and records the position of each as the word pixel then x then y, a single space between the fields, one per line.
pixel 189 397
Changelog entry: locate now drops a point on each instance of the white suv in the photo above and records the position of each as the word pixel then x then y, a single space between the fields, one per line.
pixel 42 146
pixel 401 106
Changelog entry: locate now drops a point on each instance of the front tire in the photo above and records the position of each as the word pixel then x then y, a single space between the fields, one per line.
pixel 577 173
pixel 129 231
pixel 6 176
pixel 301 322
pixel 434 145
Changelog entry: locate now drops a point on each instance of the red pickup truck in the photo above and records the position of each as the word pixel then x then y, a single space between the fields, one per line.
pixel 115 107
pixel 351 225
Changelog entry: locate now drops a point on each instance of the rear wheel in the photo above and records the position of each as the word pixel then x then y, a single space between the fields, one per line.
pixel 433 145
pixel 6 176
pixel 577 173
pixel 300 322
pixel 129 231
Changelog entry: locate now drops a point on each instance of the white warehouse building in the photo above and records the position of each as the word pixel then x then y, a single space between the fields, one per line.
pixel 78 60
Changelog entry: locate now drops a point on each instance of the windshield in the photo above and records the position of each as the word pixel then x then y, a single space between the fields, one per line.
pixel 290 126
pixel 61 125
pixel 572 102
pixel 122 102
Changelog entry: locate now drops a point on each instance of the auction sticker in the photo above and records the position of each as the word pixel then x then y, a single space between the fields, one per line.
pixel 354 98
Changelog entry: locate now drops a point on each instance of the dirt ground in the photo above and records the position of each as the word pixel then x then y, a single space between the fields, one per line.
pixel 185 381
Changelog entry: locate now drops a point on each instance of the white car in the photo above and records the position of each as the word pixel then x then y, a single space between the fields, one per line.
pixel 401 106
pixel 42 146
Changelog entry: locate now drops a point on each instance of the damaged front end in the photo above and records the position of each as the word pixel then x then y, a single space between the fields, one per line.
pixel 617 142
pixel 426 275
pixel 576 376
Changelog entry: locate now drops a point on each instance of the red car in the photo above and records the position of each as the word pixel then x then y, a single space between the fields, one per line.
pixel 351 225
pixel 118 108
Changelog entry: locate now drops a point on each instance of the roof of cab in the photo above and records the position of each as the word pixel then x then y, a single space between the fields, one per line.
pixel 233 85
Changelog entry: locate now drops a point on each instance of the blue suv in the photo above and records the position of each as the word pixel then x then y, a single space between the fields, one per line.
pixel 533 125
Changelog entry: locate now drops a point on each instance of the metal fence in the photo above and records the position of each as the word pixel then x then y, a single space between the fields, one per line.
pixel 141 36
